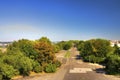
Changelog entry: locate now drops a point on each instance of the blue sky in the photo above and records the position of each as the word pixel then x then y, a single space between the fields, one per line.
pixel 59 19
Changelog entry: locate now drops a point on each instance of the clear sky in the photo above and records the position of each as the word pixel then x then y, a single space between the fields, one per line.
pixel 59 19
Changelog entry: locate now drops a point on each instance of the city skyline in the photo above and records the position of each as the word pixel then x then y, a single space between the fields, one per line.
pixel 59 19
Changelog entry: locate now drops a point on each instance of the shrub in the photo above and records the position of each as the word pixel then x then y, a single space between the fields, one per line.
pixel 50 68
pixel 25 46
pixel 67 45
pixel 7 72
pixel 96 50
pixel 45 52
pixel 19 62
pixel 56 48
pixel 36 67
pixel 57 63
pixel 113 64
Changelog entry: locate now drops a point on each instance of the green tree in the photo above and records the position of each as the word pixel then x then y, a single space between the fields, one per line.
pixel 65 45
pixel 79 45
pixel 113 64
pixel 25 46
pixel 61 44
pixel 96 50
pixel 19 62
pixel 86 51
pixel 56 48
pixel 45 40
pixel 6 72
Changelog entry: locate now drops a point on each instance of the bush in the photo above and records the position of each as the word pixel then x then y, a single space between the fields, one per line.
pixel 45 52
pixel 67 45
pixel 56 48
pixel 19 62
pixel 7 72
pixel 80 45
pixel 96 50
pixel 64 45
pixel 25 46
pixel 113 64
pixel 57 63
pixel 36 67
pixel 24 65
pixel 50 68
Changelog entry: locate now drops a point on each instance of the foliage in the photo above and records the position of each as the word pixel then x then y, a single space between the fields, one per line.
pixel 56 48
pixel 99 50
pixel 1 53
pixel 79 45
pixel 6 71
pixel 25 46
pixel 25 66
pixel 67 45
pixel 116 49
pixel 19 62
pixel 45 52
pixel 44 40
pixel 50 68
pixel 61 44
pixel 64 45
pixel 75 43
pixel 24 56
pixel 37 67
pixel 113 61
pixel 113 64
pixel 95 50
pixel 57 63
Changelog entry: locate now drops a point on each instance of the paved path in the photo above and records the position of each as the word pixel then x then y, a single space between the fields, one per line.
pixel 74 69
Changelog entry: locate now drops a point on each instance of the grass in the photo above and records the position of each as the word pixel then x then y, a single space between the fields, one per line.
pixel 67 55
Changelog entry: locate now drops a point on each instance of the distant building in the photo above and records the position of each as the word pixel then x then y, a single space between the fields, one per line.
pixel 4 44
pixel 113 42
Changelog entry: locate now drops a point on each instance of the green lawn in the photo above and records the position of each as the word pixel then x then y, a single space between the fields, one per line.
pixel 67 55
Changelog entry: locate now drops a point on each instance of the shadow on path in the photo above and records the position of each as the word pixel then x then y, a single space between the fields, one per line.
pixel 78 57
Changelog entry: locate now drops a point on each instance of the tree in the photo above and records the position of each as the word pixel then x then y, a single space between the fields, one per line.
pixel 65 45
pixel 45 52
pixel 61 44
pixel 56 48
pixel 116 50
pixel 45 40
pixel 96 50
pixel 113 61
pixel 6 71
pixel 19 62
pixel 113 64
pixel 79 45
pixel 25 46
pixel 86 51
